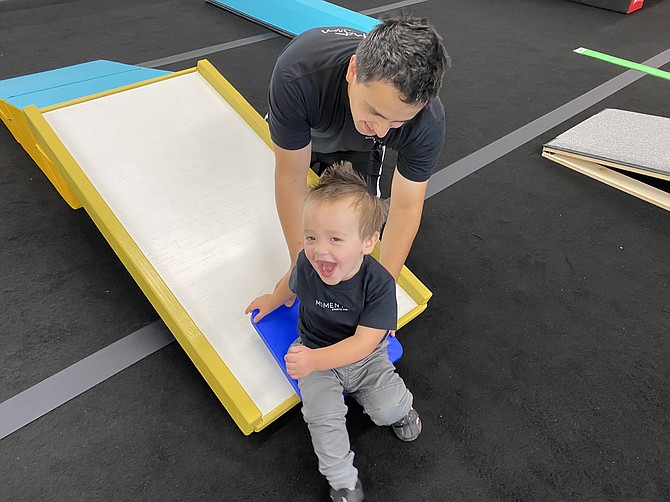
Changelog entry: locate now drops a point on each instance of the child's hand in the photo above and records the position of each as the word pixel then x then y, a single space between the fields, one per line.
pixel 300 361
pixel 265 304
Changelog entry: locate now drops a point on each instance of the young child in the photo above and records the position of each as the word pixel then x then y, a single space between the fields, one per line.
pixel 348 305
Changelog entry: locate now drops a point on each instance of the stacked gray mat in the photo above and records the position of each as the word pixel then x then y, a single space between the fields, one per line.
pixel 613 143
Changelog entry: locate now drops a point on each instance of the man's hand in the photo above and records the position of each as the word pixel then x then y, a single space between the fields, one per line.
pixel 300 361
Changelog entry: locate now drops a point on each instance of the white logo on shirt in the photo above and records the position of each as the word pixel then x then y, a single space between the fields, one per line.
pixel 334 307
pixel 343 32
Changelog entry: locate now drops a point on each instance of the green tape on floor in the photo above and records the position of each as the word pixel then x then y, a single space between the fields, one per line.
pixel 623 62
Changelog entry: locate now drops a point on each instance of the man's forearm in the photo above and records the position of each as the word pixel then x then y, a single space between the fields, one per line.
pixel 290 196
pixel 396 243
pixel 403 222
pixel 291 168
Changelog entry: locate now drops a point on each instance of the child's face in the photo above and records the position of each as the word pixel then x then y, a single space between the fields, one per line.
pixel 333 244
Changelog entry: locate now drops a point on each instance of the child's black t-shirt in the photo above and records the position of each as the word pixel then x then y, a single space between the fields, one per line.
pixel 329 314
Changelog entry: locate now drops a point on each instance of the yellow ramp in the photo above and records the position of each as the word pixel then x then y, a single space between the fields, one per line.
pixel 176 172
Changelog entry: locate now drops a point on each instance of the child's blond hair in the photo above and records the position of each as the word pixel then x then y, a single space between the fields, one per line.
pixel 339 182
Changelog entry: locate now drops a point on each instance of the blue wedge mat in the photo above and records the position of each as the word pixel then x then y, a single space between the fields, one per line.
pixel 292 17
pixel 279 330
pixel 72 82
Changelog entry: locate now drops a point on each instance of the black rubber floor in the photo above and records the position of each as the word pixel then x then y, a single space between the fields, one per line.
pixel 541 367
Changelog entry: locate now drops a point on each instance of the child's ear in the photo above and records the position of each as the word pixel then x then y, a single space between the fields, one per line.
pixel 369 243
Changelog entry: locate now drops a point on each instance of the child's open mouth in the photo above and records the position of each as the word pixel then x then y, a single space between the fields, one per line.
pixel 326 268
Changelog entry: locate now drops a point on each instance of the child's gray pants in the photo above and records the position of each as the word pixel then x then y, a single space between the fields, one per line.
pixel 376 386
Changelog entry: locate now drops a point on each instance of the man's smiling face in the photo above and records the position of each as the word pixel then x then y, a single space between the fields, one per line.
pixel 377 106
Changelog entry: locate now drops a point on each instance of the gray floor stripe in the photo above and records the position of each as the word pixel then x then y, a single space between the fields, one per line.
pixel 468 165
pixel 198 53
pixel 391 6
pixel 69 383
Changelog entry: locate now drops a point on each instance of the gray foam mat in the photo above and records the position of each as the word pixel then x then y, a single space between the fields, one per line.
pixel 621 137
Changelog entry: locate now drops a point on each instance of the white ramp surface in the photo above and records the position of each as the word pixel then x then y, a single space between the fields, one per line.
pixel 192 184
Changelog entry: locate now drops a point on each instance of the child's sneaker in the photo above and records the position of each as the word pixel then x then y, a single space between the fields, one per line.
pixel 347 495
pixel 409 427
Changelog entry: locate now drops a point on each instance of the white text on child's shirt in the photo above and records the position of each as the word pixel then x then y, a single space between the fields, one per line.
pixel 335 307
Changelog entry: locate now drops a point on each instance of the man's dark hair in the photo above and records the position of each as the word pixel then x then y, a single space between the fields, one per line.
pixel 407 52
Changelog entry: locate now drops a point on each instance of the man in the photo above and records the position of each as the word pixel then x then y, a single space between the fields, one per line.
pixel 338 94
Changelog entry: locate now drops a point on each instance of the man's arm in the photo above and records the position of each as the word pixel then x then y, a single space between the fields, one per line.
pixel 301 360
pixel 291 168
pixel 403 222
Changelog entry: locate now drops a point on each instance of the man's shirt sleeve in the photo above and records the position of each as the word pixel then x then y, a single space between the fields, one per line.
pixel 419 149
pixel 287 113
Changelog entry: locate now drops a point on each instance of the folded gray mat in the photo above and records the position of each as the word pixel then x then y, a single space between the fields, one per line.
pixel 620 137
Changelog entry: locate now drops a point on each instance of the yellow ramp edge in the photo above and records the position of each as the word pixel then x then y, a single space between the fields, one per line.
pixel 16 122
pixel 231 394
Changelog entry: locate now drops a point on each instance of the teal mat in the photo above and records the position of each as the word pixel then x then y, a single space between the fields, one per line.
pixel 72 82
pixel 292 17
